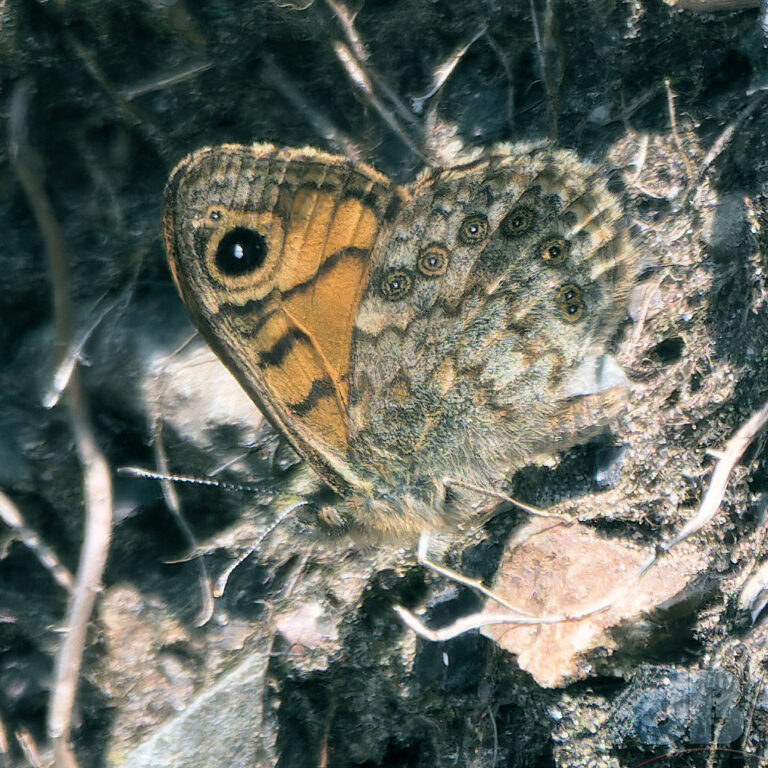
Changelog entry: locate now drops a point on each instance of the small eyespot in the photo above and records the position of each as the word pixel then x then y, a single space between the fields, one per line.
pixel 240 252
pixel 474 229
pixel 570 302
pixel 215 215
pixel 395 284
pixel 518 221
pixel 554 250
pixel 433 260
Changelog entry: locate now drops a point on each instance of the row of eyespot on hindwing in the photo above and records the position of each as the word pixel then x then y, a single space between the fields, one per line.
pixel 396 284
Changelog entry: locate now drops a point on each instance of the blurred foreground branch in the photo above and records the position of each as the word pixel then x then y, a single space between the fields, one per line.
pixel 97 483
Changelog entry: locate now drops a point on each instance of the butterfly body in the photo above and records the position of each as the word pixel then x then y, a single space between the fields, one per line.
pixel 408 341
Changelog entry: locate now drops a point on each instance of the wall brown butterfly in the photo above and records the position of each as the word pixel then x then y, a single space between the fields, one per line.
pixel 410 342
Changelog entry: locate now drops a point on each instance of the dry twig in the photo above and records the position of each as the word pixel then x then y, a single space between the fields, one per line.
pixel 347 22
pixel 275 78
pixel 161 82
pixel 711 6
pixel 675 132
pixel 97 482
pixel 734 450
pixel 549 62
pixel 172 497
pixel 445 69
pixel 29 747
pixel 724 139
pixel 11 516
pixel 359 77
pixel 3 744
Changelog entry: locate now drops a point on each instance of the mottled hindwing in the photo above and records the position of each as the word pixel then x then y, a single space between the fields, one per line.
pixel 270 250
pixel 499 278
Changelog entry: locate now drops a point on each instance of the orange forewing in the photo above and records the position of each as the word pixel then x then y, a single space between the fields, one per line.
pixel 284 328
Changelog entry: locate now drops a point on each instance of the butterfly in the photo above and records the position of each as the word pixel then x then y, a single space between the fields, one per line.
pixel 414 344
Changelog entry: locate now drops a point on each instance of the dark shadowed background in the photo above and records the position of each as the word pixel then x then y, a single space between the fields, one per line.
pixel 303 662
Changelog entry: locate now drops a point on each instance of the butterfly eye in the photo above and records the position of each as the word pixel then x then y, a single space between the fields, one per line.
pixel 518 221
pixel 433 260
pixel 395 284
pixel 473 230
pixel 240 252
pixel 554 251
pixel 570 302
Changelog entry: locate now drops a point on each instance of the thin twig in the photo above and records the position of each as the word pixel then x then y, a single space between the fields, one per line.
pixel 628 110
pixel 712 6
pixel 754 707
pixel 675 132
pixel 546 47
pixel 754 594
pixel 639 163
pixel 473 621
pixel 509 73
pixel 174 504
pixel 494 728
pixel 11 516
pixel 29 747
pixel 4 747
pixel 97 483
pixel 275 78
pixel 650 292
pixel 362 82
pixel 444 70
pixel 162 82
pixel 724 139
pixel 72 358
pixel 130 113
pixel 347 22
pixel 734 450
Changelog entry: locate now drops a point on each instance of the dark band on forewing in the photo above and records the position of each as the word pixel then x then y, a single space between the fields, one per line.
pixel 281 348
pixel 255 306
pixel 320 388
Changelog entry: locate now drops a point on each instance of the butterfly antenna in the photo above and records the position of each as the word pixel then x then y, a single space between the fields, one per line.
pixel 139 472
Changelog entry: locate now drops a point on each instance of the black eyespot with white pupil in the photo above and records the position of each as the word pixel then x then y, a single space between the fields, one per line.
pixel 240 252
pixel 433 260
pixel 570 302
pixel 474 229
pixel 395 284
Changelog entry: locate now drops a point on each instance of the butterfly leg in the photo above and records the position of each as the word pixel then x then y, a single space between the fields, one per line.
pixel 466 623
pixel 422 555
pixel 535 511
